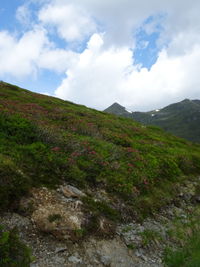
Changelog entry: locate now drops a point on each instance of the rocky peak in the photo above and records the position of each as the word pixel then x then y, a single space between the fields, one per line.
pixel 116 109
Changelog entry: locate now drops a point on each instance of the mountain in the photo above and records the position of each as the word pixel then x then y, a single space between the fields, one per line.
pixel 181 119
pixel 117 109
pixel 87 179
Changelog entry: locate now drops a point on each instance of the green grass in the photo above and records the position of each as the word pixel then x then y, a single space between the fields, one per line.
pixel 184 234
pixel 150 236
pixel 186 256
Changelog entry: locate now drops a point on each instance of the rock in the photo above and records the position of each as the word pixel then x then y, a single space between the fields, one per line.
pixel 71 191
pixel 106 227
pixel 74 259
pixel 50 212
pixel 43 196
pixel 138 253
pixel 144 258
pixel 131 234
pixel 197 199
pixel 106 260
pixel 60 250
pixel 58 219
pixel 112 253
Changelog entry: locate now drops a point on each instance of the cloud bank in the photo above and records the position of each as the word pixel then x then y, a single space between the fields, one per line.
pixel 98 57
pixel 102 77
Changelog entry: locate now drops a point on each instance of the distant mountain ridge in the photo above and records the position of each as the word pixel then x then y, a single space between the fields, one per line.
pixel 181 119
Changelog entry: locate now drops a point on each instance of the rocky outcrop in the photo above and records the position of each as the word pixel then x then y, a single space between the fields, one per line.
pixel 133 244
pixel 113 253
pixel 56 213
pixel 58 219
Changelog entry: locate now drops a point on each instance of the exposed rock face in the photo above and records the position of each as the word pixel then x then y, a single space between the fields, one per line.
pixel 54 213
pixel 58 219
pixel 132 245
pixel 113 253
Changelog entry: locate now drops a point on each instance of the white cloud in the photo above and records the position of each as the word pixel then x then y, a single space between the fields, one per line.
pixel 23 15
pixel 19 56
pixel 96 76
pixel 102 77
pixel 72 23
pixel 119 19
pixel 122 17
pixel 31 52
pixel 57 59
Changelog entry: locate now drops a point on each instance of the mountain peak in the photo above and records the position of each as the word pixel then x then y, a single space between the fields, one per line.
pixel 117 105
pixel 117 109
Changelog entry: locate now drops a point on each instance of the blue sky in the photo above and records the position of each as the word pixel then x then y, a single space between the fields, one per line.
pixel 46 81
pixel 142 55
pixel 147 47
pixel 7 14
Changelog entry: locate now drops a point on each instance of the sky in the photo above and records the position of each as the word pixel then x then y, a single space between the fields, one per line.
pixel 141 54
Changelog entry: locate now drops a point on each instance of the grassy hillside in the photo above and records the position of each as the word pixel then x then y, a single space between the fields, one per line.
pixel 46 141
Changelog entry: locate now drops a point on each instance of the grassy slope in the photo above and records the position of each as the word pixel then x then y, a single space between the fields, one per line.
pixel 45 141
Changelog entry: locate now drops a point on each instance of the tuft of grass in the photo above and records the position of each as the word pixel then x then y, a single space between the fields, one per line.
pixel 100 208
pixel 54 217
pixel 131 246
pixel 149 236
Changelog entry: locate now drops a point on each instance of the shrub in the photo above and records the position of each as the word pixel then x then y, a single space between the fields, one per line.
pixel 17 129
pixel 169 169
pixel 14 183
pixel 13 253
pixel 101 208
pixel 41 163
